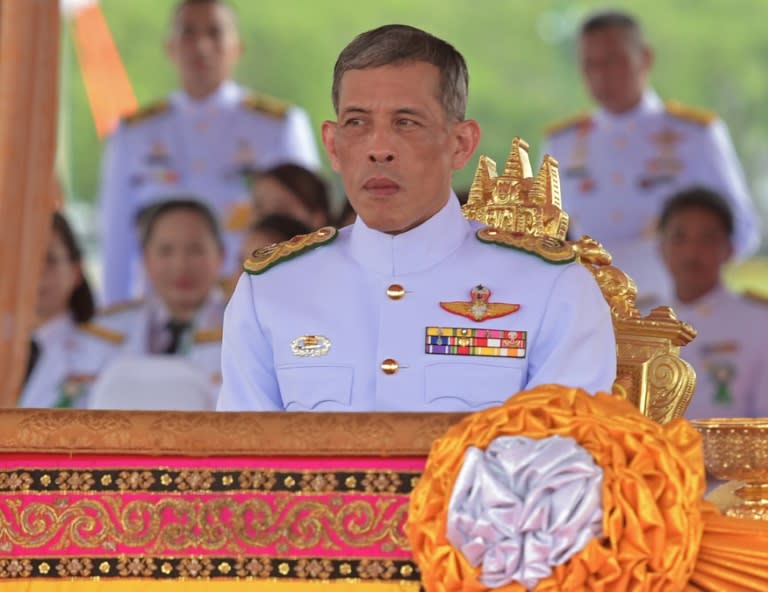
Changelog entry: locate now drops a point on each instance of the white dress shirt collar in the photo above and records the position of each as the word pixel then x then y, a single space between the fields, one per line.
pixel 415 250
pixel 703 306
pixel 228 94
pixel 650 102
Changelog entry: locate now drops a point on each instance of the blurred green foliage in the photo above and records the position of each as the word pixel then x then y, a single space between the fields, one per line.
pixel 520 55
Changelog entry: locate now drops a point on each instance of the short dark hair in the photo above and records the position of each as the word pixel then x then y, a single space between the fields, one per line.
pixel 308 187
pixel 148 217
pixel 609 19
pixel 285 227
pixel 399 44
pixel 698 198
pixel 81 303
pixel 182 4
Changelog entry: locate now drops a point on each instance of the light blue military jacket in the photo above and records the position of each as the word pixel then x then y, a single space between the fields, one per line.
pixel 192 148
pixel 729 355
pixel 340 302
pixel 71 358
pixel 141 325
pixel 617 171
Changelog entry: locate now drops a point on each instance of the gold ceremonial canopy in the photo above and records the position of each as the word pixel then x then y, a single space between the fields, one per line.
pixel 650 372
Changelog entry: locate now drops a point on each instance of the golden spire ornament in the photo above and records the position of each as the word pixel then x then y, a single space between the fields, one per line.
pixel 516 201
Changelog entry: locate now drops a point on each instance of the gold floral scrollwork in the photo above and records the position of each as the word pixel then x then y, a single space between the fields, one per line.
pixel 671 383
pixel 172 524
pixel 376 569
pixel 315 569
pixel 15 568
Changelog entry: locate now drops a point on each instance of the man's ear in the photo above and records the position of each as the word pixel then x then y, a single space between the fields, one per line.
pixel 329 141
pixel 467 134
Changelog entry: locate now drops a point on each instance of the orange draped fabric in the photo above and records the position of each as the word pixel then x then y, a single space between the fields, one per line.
pixel 29 67
pixel 109 90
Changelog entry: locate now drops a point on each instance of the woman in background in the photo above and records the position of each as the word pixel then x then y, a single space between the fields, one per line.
pixel 182 316
pixel 66 350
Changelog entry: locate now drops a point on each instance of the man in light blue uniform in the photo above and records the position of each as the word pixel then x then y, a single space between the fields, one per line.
pixel 729 353
pixel 204 140
pixel 412 308
pixel 619 164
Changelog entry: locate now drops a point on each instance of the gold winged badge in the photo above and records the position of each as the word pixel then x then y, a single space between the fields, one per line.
pixel 479 308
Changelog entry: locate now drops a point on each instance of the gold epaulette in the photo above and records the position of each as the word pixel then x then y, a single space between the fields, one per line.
pixel 756 297
pixel 119 307
pixel 266 257
pixel 266 104
pixel 208 335
pixel 102 332
pixel 147 112
pixel 689 113
pixel 579 120
pixel 548 248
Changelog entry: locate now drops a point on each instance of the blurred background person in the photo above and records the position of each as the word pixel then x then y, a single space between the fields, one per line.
pixel 294 191
pixel 205 139
pixel 619 163
pixel 730 352
pixel 66 350
pixel 183 312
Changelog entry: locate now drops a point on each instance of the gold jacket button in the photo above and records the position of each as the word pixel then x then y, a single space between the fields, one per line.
pixel 389 366
pixel 395 291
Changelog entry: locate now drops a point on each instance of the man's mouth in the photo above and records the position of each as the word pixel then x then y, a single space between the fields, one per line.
pixel 381 186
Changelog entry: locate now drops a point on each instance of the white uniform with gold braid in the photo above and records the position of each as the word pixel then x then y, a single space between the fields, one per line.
pixel 374 322
pixel 618 170
pixel 729 355
pixel 71 356
pixel 193 148
pixel 144 325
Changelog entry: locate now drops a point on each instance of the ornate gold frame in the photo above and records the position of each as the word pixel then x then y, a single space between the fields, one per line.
pixel 164 433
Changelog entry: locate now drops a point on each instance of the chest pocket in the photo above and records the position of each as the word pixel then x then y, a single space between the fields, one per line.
pixel 315 388
pixel 451 387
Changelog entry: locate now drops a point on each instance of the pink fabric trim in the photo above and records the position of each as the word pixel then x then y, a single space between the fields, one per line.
pixel 96 462
pixel 330 525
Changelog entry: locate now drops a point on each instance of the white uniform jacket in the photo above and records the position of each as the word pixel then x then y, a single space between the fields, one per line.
pixel 357 325
pixel 70 359
pixel 729 355
pixel 617 171
pixel 202 149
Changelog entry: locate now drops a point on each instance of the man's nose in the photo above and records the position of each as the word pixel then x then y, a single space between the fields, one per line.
pixel 381 156
pixel 381 145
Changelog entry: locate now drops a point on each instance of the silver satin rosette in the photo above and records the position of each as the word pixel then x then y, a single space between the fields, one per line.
pixel 523 506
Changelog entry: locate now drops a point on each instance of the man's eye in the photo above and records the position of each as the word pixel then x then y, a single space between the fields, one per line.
pixel 406 123
pixel 353 122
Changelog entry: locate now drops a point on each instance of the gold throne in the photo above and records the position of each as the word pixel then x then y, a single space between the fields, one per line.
pixel 650 372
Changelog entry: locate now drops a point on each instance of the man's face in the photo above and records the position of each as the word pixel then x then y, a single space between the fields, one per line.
pixel 204 46
pixel 694 246
pixel 394 145
pixel 615 67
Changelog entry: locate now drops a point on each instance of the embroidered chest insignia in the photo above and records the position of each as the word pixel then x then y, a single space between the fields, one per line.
pixel 310 346
pixel 479 308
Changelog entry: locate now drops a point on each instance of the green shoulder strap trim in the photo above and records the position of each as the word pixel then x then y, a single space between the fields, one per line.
pixel 551 250
pixel 267 257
